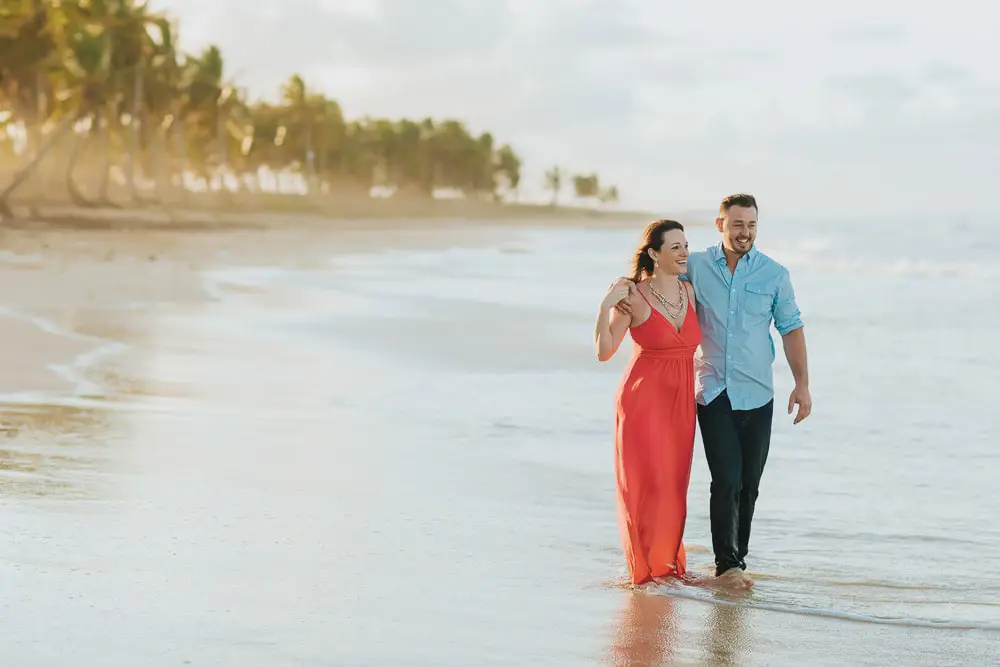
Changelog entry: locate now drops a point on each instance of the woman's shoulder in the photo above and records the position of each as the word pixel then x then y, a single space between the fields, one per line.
pixel 641 310
pixel 638 296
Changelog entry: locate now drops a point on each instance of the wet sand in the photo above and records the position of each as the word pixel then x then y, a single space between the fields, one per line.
pixel 72 278
pixel 228 484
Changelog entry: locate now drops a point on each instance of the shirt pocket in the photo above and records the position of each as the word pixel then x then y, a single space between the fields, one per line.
pixel 758 301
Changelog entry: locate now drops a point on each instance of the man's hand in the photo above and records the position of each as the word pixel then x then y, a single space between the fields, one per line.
pixel 623 306
pixel 800 396
pixel 794 343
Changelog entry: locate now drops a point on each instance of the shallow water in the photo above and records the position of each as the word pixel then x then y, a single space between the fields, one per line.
pixel 406 458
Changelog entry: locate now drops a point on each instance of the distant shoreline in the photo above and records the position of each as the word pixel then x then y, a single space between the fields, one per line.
pixel 257 210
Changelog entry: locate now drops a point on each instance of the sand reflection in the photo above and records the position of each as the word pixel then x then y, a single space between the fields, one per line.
pixel 725 638
pixel 48 450
pixel 647 632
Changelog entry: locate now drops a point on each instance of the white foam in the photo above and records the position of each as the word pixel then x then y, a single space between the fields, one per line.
pixel 73 371
pixel 701 596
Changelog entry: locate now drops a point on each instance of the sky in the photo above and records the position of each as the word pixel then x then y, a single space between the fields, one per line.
pixel 860 107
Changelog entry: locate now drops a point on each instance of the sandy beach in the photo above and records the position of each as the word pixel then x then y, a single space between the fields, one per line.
pixel 78 289
pixel 256 439
pixel 69 280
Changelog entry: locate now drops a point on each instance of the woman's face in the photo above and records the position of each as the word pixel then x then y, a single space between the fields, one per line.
pixel 673 253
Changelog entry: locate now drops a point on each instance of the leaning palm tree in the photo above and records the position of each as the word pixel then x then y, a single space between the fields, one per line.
pixel 89 74
pixel 214 115
pixel 84 55
pixel 142 46
pixel 25 45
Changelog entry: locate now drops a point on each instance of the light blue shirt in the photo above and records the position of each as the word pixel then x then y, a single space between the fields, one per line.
pixel 735 312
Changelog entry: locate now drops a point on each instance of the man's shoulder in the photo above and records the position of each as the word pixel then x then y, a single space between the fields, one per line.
pixel 769 264
pixel 696 259
pixel 700 256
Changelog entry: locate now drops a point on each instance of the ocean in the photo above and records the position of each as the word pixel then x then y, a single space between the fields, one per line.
pixel 405 457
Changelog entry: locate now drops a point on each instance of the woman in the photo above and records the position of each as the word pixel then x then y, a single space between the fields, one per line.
pixel 655 405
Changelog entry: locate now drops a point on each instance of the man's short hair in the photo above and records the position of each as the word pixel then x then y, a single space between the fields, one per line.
pixel 742 199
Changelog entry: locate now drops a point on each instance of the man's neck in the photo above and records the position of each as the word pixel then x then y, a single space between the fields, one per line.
pixel 732 259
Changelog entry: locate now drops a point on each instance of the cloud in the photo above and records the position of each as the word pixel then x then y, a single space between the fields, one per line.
pixel 939 72
pixel 877 93
pixel 674 103
pixel 261 48
pixel 410 34
pixel 590 28
pixel 877 85
pixel 879 33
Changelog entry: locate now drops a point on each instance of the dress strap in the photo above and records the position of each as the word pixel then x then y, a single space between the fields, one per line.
pixel 643 295
pixel 689 292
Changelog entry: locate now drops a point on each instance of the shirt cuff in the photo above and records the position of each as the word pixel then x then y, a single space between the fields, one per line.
pixel 787 327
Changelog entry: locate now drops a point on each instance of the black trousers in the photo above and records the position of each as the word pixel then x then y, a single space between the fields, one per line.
pixel 736 444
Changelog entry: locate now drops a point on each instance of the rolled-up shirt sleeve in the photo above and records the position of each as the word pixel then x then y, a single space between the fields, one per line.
pixel 787 317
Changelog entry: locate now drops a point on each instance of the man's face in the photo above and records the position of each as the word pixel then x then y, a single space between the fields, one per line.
pixel 739 229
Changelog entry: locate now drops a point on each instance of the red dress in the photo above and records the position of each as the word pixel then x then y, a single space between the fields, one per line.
pixel 654 444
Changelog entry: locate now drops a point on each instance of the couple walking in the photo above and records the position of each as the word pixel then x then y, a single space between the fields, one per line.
pixel 700 325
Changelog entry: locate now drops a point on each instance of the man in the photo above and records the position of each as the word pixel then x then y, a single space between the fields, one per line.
pixel 740 291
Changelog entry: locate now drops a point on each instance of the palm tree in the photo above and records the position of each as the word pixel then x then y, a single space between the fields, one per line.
pixel 26 49
pixel 84 49
pixel 107 75
pixel 299 116
pixel 554 182
pixel 508 166
pixel 609 195
pixel 586 186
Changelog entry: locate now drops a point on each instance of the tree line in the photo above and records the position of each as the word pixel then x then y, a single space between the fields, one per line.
pixel 106 81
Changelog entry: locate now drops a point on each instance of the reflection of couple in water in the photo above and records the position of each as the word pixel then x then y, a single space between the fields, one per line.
pixel 700 325
pixel 651 632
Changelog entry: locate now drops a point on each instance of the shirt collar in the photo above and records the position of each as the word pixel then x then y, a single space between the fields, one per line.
pixel 719 255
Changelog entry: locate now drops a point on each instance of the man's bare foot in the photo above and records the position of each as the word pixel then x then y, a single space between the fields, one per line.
pixel 734 578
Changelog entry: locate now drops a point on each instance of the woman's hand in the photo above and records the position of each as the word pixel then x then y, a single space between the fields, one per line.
pixel 610 328
pixel 619 291
pixel 624 306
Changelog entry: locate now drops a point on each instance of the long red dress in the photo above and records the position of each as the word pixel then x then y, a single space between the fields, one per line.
pixel 654 444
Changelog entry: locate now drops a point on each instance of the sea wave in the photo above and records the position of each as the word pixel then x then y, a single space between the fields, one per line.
pixel 75 371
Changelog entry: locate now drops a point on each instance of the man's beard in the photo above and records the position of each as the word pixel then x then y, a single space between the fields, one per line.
pixel 742 249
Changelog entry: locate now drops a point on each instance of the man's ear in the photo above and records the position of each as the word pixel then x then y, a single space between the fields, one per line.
pixel 718 224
